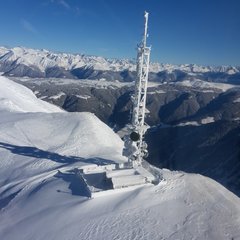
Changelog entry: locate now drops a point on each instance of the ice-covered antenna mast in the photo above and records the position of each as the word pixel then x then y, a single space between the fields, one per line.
pixel 145 29
pixel 135 147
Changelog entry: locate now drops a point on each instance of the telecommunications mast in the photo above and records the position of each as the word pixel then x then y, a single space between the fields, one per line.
pixel 135 148
pixel 135 172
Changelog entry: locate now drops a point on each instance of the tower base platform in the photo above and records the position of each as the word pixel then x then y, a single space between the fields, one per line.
pixel 110 179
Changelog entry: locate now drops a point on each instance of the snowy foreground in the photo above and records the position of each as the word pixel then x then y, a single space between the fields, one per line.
pixel 41 197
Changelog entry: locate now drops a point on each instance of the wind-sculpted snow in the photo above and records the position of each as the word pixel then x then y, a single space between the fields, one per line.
pixel 54 206
pixel 15 97
pixel 41 197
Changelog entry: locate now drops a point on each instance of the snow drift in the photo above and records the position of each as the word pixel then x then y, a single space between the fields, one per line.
pixel 15 97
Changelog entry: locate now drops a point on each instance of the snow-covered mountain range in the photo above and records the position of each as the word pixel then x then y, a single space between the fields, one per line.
pixel 41 198
pixel 26 62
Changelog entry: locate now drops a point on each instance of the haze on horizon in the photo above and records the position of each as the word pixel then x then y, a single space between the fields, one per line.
pixel 202 32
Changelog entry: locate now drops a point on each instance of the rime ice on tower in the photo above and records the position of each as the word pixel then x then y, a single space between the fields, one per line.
pixel 131 174
pixel 135 147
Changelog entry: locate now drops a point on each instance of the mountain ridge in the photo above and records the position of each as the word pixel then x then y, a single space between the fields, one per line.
pixel 28 62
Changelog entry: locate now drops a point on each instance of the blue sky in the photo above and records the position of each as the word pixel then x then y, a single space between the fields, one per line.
pixel 180 31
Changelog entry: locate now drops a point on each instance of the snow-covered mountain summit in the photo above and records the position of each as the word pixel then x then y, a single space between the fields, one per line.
pixel 20 62
pixel 42 198
pixel 44 59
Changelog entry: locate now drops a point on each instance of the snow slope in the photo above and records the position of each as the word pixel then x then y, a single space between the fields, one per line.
pixel 199 84
pixel 41 197
pixel 15 97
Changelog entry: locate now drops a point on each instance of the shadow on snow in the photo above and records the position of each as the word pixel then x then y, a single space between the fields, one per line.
pixel 39 153
pixel 77 184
